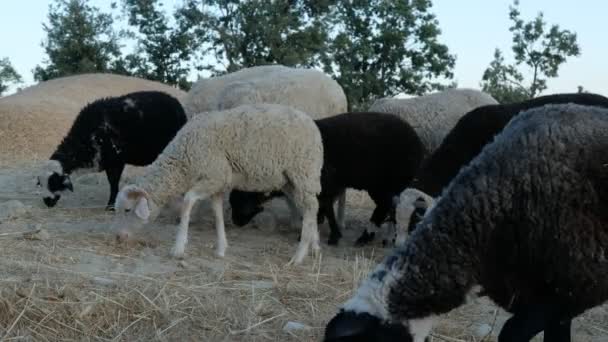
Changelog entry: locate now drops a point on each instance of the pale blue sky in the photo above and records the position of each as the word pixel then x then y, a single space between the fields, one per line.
pixel 471 29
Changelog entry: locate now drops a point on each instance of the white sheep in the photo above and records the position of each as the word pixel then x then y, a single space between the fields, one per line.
pixel 308 90
pixel 251 148
pixel 434 115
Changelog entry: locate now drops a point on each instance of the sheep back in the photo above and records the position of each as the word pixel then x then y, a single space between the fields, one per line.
pixel 258 147
pixel 377 152
pixel 434 115
pixel 476 129
pixel 308 90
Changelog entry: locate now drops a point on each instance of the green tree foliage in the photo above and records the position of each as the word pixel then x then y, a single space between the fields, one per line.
pixel 8 75
pixel 162 50
pixel 80 39
pixel 384 47
pixel 543 49
pixel 236 34
pixel 372 48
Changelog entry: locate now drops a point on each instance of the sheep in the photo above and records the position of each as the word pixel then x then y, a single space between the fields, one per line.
pixel 375 152
pixel 308 90
pixel 260 147
pixel 434 115
pixel 526 222
pixel 109 133
pixel 472 132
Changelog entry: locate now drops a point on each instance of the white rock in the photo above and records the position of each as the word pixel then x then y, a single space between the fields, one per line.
pixel 483 330
pixel 11 209
pixel 39 234
pixel 294 326
pixel 103 281
pixel 265 221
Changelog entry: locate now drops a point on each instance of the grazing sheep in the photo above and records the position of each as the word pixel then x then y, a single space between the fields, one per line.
pixel 251 148
pixel 308 90
pixel 526 222
pixel 375 152
pixel 472 132
pixel 108 134
pixel 434 115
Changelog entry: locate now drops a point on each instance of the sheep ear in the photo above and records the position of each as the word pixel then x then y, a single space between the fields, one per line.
pixel 68 183
pixel 141 208
pixel 396 200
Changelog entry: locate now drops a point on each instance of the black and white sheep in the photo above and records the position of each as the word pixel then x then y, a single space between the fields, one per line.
pixel 375 152
pixel 526 222
pixel 465 141
pixel 108 134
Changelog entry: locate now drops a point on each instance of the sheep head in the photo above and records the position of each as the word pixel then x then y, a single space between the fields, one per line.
pixel 53 181
pixel 132 197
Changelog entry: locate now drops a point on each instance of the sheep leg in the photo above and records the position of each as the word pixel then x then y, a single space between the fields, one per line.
pixel 383 206
pixel 558 331
pixel 309 206
pixel 328 207
pixel 528 322
pixel 341 208
pixel 113 174
pixel 294 212
pixel 218 210
pixel 181 239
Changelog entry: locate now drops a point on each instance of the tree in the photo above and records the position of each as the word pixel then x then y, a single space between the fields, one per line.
pixel 238 34
pixel 368 56
pixel 162 51
pixel 541 48
pixel 504 82
pixel 79 39
pixel 8 75
pixel 385 47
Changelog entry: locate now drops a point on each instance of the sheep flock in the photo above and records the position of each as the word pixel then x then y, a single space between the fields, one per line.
pixel 442 217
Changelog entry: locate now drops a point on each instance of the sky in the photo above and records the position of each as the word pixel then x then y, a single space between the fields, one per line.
pixel 471 29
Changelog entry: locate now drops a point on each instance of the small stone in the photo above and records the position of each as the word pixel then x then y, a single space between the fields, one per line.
pixel 294 326
pixel 11 209
pixel 265 221
pixel 39 234
pixel 182 264
pixel 483 330
pixel 261 284
pixel 103 281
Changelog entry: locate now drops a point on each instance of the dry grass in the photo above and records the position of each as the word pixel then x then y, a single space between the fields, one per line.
pixel 80 285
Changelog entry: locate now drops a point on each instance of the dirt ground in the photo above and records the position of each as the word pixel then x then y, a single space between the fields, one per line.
pixel 78 284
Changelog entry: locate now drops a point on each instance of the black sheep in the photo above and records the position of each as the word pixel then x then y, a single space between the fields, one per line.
pixel 110 133
pixel 526 223
pixel 472 132
pixel 375 152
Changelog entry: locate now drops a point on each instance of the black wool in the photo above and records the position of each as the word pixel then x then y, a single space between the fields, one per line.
pixel 112 132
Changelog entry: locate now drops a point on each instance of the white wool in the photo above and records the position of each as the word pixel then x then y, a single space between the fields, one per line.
pixel 434 115
pixel 308 90
pixel 260 147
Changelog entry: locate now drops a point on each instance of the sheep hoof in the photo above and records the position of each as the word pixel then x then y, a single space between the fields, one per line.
pixel 365 238
pixel 110 207
pixel 334 239
pixel 177 252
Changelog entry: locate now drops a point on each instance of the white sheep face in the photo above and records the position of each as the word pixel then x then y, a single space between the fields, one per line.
pixel 133 198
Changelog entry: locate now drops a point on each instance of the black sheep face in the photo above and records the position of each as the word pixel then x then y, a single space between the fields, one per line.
pixel 245 206
pixel 349 326
pixel 54 185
